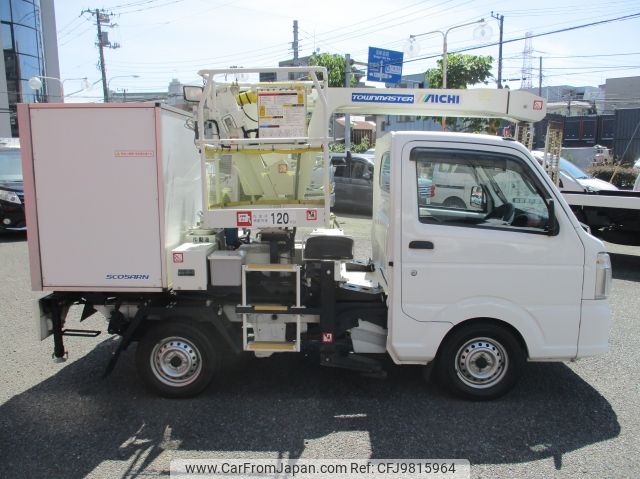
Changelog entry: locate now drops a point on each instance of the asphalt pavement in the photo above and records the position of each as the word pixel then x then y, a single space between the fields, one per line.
pixel 63 420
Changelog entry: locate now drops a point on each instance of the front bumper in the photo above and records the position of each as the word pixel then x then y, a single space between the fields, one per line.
pixel 12 216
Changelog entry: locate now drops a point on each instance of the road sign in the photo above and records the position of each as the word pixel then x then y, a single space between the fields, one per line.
pixel 384 65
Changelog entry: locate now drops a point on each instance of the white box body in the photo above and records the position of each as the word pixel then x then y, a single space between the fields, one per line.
pixel 110 190
pixel 226 267
pixel 190 267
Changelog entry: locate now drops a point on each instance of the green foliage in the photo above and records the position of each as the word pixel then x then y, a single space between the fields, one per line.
pixel 362 146
pixel 336 68
pixel 355 148
pixel 464 70
pixel 622 176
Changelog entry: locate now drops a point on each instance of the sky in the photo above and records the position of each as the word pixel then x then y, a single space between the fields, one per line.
pixel 165 39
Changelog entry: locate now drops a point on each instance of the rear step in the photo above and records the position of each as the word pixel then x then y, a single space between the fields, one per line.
pixel 82 333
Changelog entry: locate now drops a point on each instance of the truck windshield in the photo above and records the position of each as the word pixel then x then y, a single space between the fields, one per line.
pixel 573 170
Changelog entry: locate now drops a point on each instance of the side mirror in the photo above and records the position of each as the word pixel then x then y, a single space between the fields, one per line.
pixel 367 176
pixel 338 161
pixel 478 198
pixel 192 93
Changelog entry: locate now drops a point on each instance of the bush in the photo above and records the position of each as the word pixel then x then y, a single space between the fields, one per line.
pixel 355 147
pixel 622 176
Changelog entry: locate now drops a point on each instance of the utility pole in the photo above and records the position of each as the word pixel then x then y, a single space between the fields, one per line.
pixel 540 78
pixel 347 116
pixel 294 45
pixel 500 18
pixel 103 19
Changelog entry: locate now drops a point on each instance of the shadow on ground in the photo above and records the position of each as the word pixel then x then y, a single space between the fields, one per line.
pixel 69 424
pixel 13 236
pixel 625 266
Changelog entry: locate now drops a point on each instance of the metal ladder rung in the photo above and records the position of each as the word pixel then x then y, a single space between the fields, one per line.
pixel 270 307
pixel 291 268
pixel 271 346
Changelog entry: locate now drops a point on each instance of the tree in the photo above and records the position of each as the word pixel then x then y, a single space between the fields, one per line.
pixel 462 71
pixel 336 68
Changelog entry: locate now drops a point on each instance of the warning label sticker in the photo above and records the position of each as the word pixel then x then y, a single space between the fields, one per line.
pixel 282 114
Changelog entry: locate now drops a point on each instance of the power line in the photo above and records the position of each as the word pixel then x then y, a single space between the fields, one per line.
pixel 562 30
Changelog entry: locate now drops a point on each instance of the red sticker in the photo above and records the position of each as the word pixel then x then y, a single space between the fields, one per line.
pixel 327 337
pixel 537 104
pixel 312 215
pixel 178 258
pixel 244 218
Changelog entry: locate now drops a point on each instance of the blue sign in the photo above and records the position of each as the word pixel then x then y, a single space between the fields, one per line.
pixel 384 65
pixel 380 98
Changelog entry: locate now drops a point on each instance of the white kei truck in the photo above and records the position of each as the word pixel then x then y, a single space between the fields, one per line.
pixel 182 230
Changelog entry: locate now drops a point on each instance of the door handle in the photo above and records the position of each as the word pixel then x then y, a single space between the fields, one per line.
pixel 421 245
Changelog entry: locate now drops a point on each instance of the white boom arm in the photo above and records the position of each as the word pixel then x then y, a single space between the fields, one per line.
pixel 489 103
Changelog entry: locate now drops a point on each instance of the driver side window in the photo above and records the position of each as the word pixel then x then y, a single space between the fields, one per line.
pixel 479 189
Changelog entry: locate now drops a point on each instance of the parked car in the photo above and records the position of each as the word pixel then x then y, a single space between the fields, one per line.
pixel 573 178
pixel 11 186
pixel 315 188
pixel 353 178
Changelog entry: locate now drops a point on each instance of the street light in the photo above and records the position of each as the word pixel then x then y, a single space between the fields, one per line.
pixel 35 83
pixel 412 48
pixel 113 78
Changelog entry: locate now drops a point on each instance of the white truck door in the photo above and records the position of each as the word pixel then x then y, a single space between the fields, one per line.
pixel 491 258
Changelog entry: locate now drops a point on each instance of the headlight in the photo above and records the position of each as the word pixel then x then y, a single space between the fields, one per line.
pixel 10 196
pixel 603 276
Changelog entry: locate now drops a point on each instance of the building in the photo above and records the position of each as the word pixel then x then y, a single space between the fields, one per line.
pixel 30 48
pixel 562 99
pixel 622 93
pixel 173 97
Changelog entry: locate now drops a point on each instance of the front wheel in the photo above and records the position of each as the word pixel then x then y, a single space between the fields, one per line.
pixel 177 359
pixel 480 361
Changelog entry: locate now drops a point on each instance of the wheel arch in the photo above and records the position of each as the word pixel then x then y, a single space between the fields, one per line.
pixel 219 325
pixel 490 321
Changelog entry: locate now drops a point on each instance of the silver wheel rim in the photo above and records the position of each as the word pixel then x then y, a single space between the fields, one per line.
pixel 481 363
pixel 176 361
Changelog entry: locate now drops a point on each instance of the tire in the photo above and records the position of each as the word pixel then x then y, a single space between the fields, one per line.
pixel 177 359
pixel 480 361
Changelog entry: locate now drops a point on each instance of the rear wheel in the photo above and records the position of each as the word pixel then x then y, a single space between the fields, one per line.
pixel 177 359
pixel 480 361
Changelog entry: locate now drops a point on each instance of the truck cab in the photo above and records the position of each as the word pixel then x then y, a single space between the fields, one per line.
pixel 488 279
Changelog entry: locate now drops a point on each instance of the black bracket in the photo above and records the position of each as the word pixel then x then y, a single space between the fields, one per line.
pixel 126 340
pixel 81 333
